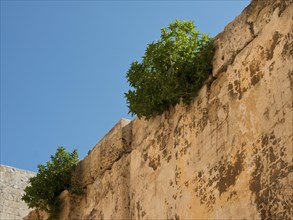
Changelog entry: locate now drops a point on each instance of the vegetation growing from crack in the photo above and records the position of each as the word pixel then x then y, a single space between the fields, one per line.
pixel 44 189
pixel 173 68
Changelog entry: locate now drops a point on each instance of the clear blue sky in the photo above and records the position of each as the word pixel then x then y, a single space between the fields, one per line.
pixel 63 67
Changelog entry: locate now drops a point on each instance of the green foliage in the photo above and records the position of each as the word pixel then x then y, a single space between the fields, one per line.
pixel 54 177
pixel 173 68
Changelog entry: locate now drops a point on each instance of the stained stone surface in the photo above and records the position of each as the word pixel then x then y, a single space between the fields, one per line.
pixel 12 183
pixel 228 155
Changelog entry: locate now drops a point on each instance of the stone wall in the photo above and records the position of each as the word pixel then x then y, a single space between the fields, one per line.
pixel 12 183
pixel 228 155
pixel 104 174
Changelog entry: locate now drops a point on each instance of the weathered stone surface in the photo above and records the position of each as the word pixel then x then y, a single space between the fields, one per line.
pixel 237 35
pixel 227 155
pixel 106 198
pixel 12 183
pixel 110 149
pixel 104 174
pixel 36 215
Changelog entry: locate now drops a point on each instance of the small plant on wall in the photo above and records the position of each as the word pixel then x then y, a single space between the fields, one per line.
pixel 44 189
pixel 173 68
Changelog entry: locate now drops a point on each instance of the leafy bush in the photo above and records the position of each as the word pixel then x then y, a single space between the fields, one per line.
pixel 54 177
pixel 173 68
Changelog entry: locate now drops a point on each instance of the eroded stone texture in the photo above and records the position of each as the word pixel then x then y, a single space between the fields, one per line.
pixel 227 155
pixel 109 150
pixel 12 183
pixel 104 176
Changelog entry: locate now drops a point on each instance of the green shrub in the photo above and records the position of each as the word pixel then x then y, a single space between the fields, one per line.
pixel 44 189
pixel 173 68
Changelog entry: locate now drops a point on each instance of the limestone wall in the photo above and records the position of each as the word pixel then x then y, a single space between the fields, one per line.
pixel 12 183
pixel 104 174
pixel 228 155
